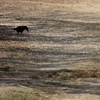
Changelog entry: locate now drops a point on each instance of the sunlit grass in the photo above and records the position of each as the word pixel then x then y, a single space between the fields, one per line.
pixel 21 93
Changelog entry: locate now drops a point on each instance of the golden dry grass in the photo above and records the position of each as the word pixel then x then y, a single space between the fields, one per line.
pixel 63 34
pixel 21 93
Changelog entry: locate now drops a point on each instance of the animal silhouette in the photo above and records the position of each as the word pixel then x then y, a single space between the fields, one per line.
pixel 20 29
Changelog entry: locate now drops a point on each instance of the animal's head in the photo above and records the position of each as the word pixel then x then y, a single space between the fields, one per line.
pixel 14 29
pixel 27 29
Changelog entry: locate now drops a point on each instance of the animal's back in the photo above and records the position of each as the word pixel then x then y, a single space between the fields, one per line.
pixel 21 28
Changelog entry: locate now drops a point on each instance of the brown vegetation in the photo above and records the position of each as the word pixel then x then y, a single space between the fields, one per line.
pixel 67 74
pixel 63 34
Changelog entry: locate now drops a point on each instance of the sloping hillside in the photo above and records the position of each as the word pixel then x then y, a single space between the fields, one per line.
pixel 59 55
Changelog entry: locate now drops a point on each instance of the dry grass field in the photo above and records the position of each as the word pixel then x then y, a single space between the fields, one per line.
pixel 59 58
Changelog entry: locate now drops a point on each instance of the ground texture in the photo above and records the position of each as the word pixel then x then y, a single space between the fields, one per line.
pixel 59 58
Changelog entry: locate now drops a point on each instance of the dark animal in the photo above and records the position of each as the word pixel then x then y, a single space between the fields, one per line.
pixel 6 68
pixel 20 29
